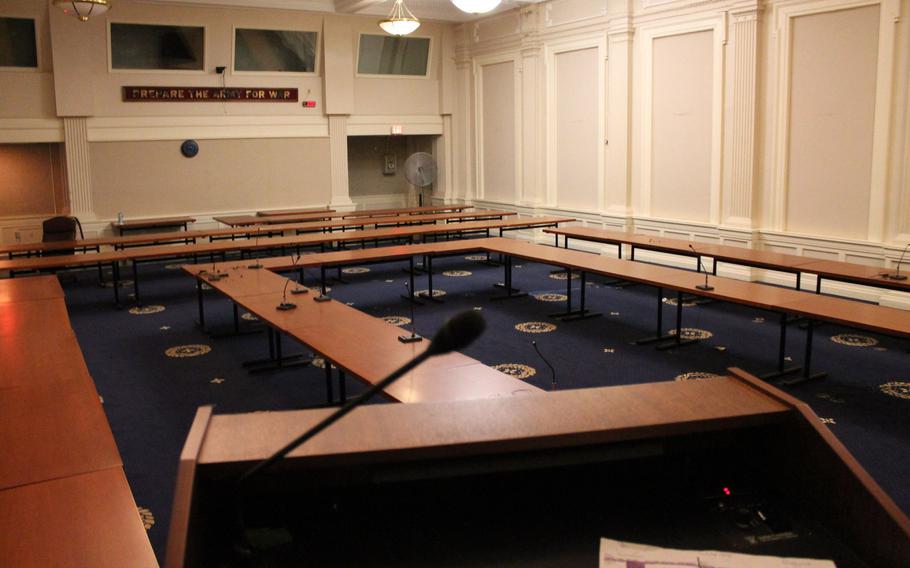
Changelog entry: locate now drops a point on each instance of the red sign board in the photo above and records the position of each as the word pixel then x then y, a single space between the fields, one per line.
pixel 209 95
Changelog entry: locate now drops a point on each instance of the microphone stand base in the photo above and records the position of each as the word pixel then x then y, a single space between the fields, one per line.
pixel 285 306
pixel 704 287
pixel 898 277
pixel 321 298
pixel 255 266
pixel 413 338
pixel 297 291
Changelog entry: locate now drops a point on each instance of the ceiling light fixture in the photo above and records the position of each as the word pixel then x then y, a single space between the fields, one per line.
pixel 401 21
pixel 83 9
pixel 476 6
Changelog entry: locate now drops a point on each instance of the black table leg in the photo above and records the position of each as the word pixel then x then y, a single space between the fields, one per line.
pixel 330 396
pixel 782 369
pixel 659 332
pixel 677 340
pixel 136 283
pixel 201 300
pixel 115 275
pixel 511 292
pixel 428 268
pixel 322 297
pixel 581 312
pixel 807 374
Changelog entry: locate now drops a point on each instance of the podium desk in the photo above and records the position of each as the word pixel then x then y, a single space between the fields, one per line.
pixel 536 481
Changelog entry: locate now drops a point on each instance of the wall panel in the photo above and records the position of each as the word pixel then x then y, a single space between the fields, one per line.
pixel 682 125
pixel 498 143
pixel 577 128
pixel 832 111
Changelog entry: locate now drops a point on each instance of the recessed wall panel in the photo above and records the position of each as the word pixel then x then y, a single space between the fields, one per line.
pixel 832 104
pixel 498 131
pixel 681 121
pixel 577 135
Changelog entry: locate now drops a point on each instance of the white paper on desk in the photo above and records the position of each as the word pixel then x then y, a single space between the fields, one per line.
pixel 618 554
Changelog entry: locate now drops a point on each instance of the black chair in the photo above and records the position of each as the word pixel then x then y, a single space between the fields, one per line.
pixel 58 229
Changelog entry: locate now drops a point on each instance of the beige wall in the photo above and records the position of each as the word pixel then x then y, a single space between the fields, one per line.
pixel 498 131
pixel 366 157
pixel 31 180
pixel 577 132
pixel 681 122
pixel 831 122
pixel 153 178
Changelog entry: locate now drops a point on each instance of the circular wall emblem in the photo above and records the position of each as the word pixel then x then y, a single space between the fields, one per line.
pixel 854 340
pixel 436 292
pixel 183 351
pixel 899 389
pixel 550 297
pixel 145 310
pixel 205 286
pixel 516 370
pixel 476 257
pixel 189 148
pixel 457 273
pixel 148 519
pixel 693 333
pixel 355 270
pixel 248 317
pixel 319 363
pixel 562 276
pixel 396 320
pixel 696 375
pixel 535 327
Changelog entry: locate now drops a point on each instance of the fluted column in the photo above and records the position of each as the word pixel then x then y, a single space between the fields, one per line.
pixel 78 168
pixel 739 191
pixel 618 175
pixel 338 150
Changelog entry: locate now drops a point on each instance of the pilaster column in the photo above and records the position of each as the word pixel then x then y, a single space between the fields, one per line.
pixel 338 151
pixel 78 168
pixel 445 187
pixel 738 193
pixel 618 175
pixel 463 142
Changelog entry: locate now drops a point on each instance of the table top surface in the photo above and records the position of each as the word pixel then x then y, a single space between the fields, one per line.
pixel 82 520
pixel 31 288
pixel 273 212
pixel 310 216
pixel 157 222
pixel 181 236
pixel 574 417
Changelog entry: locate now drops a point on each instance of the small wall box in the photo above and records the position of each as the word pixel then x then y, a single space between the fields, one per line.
pixel 309 104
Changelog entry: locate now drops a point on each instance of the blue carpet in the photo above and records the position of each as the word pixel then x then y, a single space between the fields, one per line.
pixel 151 398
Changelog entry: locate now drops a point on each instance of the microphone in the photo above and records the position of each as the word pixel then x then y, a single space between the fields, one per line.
pixel 256 264
pixel 413 338
pixel 706 287
pixel 298 289
pixel 552 370
pixel 456 333
pixel 897 273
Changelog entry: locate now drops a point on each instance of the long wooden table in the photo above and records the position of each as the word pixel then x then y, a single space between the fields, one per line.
pixel 158 223
pixel 358 344
pixel 236 220
pixel 793 264
pixel 186 237
pixel 272 212
pixel 64 499
pixel 784 301
pixel 134 256
pixel 589 442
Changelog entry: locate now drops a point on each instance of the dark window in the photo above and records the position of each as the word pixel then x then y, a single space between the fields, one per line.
pixel 17 43
pixel 388 55
pixel 274 50
pixel 142 46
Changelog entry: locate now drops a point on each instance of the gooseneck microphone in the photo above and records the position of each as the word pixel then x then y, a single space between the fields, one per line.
pixel 897 273
pixel 456 333
pixel 544 359
pixel 412 337
pixel 285 305
pixel 706 287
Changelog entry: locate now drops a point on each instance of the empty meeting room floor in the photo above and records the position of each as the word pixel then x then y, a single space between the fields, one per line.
pixel 153 367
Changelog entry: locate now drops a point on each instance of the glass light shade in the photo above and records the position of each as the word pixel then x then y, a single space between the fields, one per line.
pixel 84 9
pixel 400 21
pixel 476 6
pixel 399 27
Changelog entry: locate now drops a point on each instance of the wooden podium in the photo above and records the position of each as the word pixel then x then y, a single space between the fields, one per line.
pixel 534 480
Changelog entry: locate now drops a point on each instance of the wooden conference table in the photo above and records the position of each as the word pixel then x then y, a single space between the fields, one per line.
pixel 114 258
pixel 236 220
pixel 794 264
pixel 159 223
pixel 40 248
pixel 64 499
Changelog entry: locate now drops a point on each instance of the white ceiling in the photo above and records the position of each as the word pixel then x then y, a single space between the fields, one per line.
pixel 439 10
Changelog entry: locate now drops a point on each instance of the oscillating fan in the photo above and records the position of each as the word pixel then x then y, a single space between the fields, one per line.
pixel 420 171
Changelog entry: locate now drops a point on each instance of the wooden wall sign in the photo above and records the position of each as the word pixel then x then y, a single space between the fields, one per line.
pixel 208 95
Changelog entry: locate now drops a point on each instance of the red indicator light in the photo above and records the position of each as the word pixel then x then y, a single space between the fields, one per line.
pixel 309 104
pixel 727 491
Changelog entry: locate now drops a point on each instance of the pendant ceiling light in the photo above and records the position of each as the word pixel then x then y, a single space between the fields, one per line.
pixel 84 9
pixel 476 6
pixel 400 21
